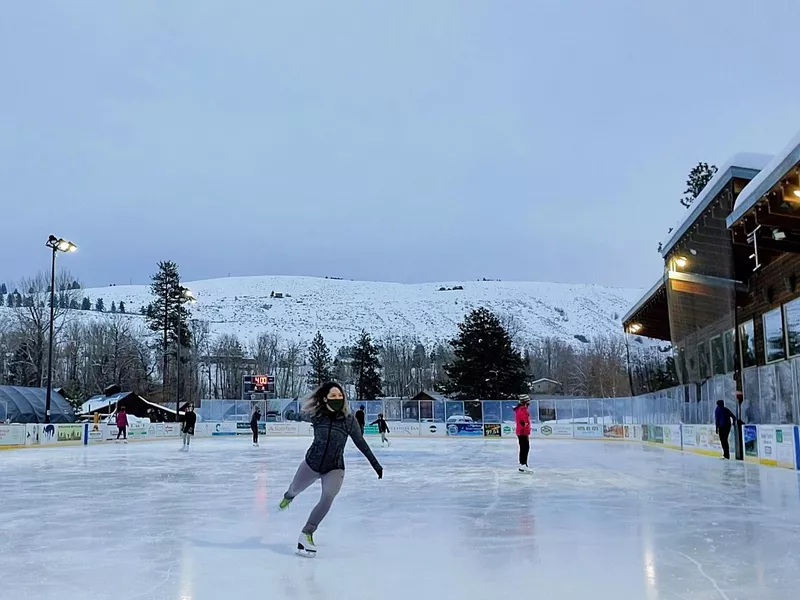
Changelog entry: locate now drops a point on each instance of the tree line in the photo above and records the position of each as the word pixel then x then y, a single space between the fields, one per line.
pixel 167 355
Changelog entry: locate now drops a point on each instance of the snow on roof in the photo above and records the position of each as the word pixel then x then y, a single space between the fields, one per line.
pixel 744 164
pixel 770 174
pixel 643 300
pixel 548 380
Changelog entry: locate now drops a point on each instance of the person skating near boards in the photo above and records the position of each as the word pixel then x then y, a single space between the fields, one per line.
pixel 254 425
pixel 361 418
pixel 189 421
pixel 326 410
pixel 523 419
pixel 122 424
pixel 383 429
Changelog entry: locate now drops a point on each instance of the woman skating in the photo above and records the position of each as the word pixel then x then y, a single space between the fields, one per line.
pixel 326 409
pixel 189 422
pixel 523 418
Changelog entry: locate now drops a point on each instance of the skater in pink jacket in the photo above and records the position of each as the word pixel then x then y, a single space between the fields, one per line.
pixel 523 418
pixel 122 423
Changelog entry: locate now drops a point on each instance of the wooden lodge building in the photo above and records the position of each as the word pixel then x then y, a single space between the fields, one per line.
pixel 728 299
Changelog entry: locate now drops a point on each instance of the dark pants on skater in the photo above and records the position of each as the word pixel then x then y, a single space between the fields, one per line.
pixel 724 433
pixel 255 434
pixel 331 484
pixel 122 431
pixel 524 448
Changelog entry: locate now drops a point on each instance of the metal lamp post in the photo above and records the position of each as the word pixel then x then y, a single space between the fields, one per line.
pixel 56 245
pixel 187 293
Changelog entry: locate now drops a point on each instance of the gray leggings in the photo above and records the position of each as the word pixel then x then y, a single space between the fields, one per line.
pixel 331 484
pixel 187 439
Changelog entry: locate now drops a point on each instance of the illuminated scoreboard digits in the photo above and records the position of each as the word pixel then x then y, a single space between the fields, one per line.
pixel 258 384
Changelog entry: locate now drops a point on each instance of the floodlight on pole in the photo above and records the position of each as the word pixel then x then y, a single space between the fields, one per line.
pixel 56 245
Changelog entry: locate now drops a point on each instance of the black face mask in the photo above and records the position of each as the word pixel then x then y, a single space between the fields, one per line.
pixel 335 405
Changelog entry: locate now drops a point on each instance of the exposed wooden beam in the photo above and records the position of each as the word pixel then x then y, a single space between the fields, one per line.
pixel 785 246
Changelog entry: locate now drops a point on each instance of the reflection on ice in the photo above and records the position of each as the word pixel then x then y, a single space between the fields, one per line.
pixel 451 519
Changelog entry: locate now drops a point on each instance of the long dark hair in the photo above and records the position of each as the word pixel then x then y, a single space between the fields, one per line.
pixel 314 405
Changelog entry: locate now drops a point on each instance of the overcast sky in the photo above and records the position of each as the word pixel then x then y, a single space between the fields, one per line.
pixel 421 140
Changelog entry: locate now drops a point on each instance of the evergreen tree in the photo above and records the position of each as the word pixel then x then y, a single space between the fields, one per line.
pixel 366 368
pixel 143 310
pixel 320 360
pixel 3 289
pixel 168 315
pixel 73 304
pixel 86 304
pixel 113 307
pixel 99 306
pixel 486 366
pixel 122 306
pixel 697 181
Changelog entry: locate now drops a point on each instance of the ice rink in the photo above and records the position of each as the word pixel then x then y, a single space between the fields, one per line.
pixel 452 519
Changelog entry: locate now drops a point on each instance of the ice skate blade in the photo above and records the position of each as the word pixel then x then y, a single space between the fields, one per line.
pixel 306 553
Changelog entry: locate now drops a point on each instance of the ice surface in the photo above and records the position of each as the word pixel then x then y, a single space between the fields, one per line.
pixel 452 519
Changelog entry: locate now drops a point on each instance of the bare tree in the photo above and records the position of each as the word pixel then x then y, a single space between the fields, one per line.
pixel 290 378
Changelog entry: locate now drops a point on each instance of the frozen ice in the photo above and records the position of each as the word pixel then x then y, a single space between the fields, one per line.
pixel 452 519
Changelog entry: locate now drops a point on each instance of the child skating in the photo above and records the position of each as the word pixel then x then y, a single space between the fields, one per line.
pixel 189 421
pixel 383 429
pixel 326 409
pixel 523 419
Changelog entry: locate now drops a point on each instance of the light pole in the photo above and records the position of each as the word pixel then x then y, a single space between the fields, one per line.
pixel 56 245
pixel 187 294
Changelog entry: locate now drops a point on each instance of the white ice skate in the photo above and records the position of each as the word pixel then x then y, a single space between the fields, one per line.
pixel 305 546
pixel 524 469
pixel 255 445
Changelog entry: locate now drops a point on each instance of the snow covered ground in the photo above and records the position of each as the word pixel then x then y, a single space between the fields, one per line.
pixel 451 519
pixel 340 309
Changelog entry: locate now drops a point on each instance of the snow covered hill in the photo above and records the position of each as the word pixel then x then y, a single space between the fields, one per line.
pixel 340 309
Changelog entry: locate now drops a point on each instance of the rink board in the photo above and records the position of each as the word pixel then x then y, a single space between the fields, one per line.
pixel 771 445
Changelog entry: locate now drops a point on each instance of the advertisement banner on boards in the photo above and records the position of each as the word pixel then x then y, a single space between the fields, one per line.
pixel 750 435
pixel 370 429
pixel 587 431
pixel 492 430
pixel 12 435
pixel 776 445
pixel 465 429
pixel 509 430
pixel 672 436
pixel 95 433
pixel 404 429
pixel 282 429
pixel 551 430
pixel 767 454
pixel 69 433
pixel 689 436
pixel 614 432
pixel 633 432
pixel 432 429
pixel 48 434
pixel 224 428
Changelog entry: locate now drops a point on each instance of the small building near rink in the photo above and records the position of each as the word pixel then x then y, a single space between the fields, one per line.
pixel 728 300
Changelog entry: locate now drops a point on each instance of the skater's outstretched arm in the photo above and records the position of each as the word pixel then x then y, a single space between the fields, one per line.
pixel 361 444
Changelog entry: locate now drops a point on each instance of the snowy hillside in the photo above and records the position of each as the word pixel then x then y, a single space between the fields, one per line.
pixel 340 309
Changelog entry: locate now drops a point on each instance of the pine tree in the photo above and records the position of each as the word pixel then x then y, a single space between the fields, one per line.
pixel 73 304
pixel 3 289
pixel 10 301
pixel 366 368
pixel 99 306
pixel 168 315
pixel 697 181
pixel 122 306
pixel 486 366
pixel 320 360
pixel 86 304
pixel 113 307
pixel 143 310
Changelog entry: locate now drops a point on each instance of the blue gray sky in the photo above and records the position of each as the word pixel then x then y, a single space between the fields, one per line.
pixel 422 140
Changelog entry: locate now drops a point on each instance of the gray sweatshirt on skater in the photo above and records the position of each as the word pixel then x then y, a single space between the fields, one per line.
pixel 330 438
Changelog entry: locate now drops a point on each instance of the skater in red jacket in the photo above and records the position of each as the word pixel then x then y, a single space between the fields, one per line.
pixel 523 418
